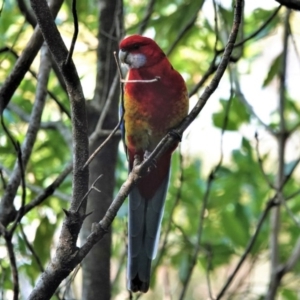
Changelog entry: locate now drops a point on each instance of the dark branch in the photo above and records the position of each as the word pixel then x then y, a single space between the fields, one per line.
pixel 75 34
pixel 25 60
pixel 63 262
pixel 148 13
pixel 256 32
pixel 293 4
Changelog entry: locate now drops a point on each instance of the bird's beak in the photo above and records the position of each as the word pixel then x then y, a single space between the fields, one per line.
pixel 122 56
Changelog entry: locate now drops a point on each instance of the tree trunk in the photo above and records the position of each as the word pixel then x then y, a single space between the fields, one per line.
pixel 96 266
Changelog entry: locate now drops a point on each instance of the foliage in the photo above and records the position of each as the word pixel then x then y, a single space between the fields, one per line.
pixel 241 185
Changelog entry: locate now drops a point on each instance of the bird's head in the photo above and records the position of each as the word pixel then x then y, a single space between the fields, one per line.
pixel 138 51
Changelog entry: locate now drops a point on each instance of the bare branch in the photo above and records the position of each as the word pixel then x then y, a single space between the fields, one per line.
pixel 257 31
pixel 293 4
pixel 33 73
pixel 147 16
pixel 205 199
pixel 31 249
pixel 92 187
pixel 260 163
pixel 185 29
pixel 246 103
pixel 95 135
pixel 31 134
pixel 281 143
pixel 12 259
pixel 29 16
pixel 75 34
pixel 92 156
pixel 66 251
pixel 49 190
pixel 293 259
pixel 208 268
pixel 250 244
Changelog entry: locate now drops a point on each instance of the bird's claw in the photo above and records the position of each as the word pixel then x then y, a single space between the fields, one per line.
pixel 175 134
pixel 153 163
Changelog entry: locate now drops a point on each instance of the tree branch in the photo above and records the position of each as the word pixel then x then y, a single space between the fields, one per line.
pixel 63 262
pixel 250 244
pixel 35 119
pixel 293 4
pixel 25 60
pixel 149 10
pixel 281 143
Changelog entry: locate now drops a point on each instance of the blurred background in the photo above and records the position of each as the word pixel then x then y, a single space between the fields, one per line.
pixel 234 196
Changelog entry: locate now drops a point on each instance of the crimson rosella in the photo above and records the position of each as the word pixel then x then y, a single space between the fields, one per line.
pixel 155 101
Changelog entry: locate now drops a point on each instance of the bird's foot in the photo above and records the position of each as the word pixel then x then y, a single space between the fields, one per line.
pixel 175 134
pixel 153 163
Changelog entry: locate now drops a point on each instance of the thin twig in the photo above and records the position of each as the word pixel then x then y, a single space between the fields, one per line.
pixel 157 78
pixel 94 136
pixel 18 174
pixel 249 246
pixel 23 64
pixel 70 280
pixel 98 129
pixel 185 29
pixel 289 211
pixel 206 197
pixel 147 16
pixel 248 106
pixel 31 249
pixel 29 16
pixel 256 32
pixel 92 156
pixel 208 268
pixel 75 34
pixel 49 190
pixel 211 69
pixel 13 263
pixel 88 192
pixel 260 163
pixel 281 144
pixel 34 75
pixel 292 260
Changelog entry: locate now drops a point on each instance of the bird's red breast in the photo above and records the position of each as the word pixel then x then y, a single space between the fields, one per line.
pixel 151 108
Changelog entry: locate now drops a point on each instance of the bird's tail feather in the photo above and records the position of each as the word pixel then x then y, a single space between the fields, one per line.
pixel 144 224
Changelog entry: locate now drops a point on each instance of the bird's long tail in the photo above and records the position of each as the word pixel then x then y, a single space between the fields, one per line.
pixel 145 217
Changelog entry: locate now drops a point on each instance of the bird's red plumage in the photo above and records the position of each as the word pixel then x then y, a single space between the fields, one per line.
pixel 151 108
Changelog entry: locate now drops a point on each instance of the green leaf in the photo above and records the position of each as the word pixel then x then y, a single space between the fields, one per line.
pixel 237 115
pixel 43 240
pixel 235 224
pixel 289 294
pixel 274 70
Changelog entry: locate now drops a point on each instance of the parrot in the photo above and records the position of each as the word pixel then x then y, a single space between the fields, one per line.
pixel 155 101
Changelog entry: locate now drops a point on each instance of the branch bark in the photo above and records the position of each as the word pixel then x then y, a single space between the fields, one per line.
pixel 281 143
pixel 63 262
pixel 96 276
pixel 25 60
pixel 7 209
pixel 293 4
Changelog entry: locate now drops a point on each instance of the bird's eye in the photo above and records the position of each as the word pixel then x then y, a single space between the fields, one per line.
pixel 136 46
